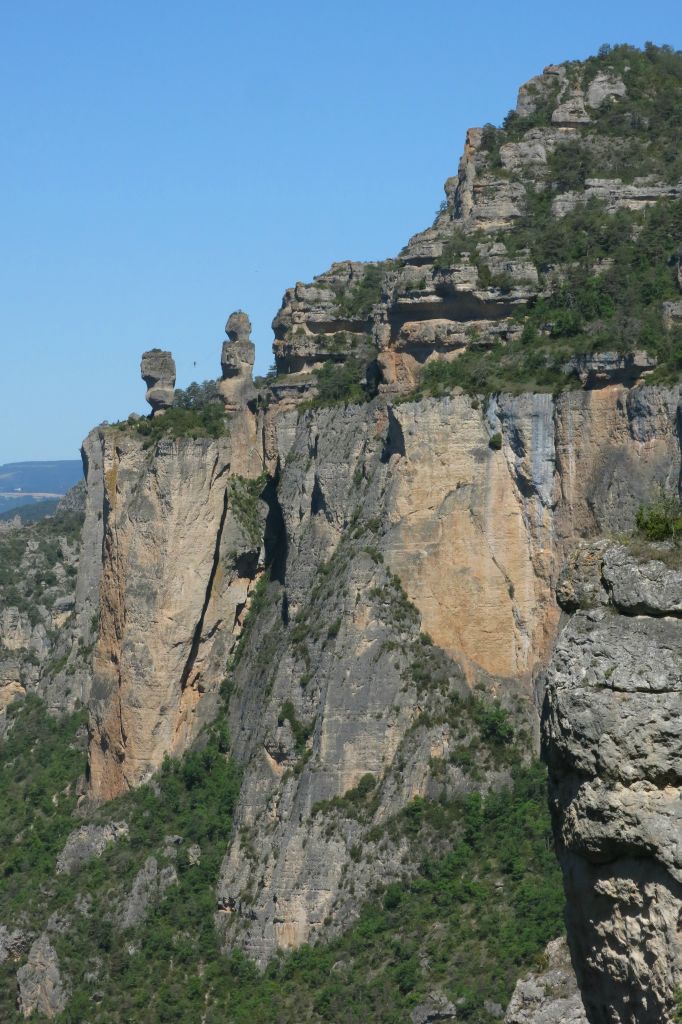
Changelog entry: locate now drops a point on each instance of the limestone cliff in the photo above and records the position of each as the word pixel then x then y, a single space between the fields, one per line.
pixel 177 568
pixel 476 537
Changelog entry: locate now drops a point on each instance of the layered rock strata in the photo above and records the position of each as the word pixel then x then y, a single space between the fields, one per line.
pixel 464 282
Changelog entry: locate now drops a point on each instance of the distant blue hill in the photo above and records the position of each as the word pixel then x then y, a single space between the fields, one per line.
pixel 22 483
pixel 40 477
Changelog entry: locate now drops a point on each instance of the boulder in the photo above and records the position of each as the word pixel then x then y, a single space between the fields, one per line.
pixel 158 372
pixel 612 738
pixel 641 588
pixel 571 113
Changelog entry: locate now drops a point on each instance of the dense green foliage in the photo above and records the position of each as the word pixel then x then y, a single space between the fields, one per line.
pixel 40 762
pixel 340 383
pixel 196 396
pixel 478 915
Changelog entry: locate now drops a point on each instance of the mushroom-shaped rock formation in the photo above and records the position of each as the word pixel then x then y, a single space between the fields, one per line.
pixel 237 359
pixel 158 372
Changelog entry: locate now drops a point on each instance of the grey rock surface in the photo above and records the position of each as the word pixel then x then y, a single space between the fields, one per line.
pixel 433 1010
pixel 158 372
pixel 641 588
pixel 87 842
pixel 612 737
pixel 41 987
pixel 148 888
pixel 13 943
pixel 603 87
pixel 599 369
pixel 549 996
pixel 74 499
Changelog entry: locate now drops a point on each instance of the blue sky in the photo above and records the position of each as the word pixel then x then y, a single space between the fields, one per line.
pixel 166 162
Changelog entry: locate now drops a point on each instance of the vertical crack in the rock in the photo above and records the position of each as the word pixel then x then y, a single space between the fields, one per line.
pixel 199 628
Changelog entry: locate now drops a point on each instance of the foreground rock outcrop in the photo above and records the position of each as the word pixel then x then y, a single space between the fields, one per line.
pixel 612 735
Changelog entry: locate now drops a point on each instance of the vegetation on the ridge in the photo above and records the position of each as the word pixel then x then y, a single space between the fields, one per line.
pixel 603 276
pixel 617 270
pixel 202 421
pixel 648 119
pixel 196 396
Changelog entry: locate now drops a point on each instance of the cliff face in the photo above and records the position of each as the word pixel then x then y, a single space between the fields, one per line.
pixel 476 537
pixel 177 568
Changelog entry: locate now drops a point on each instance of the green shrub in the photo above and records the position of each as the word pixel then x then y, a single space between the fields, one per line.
pixel 660 519
pixel 302 731
pixel 358 300
pixel 245 495
pixel 197 396
pixel 340 383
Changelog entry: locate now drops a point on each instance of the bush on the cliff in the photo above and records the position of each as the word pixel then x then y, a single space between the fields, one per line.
pixel 340 383
pixel 661 519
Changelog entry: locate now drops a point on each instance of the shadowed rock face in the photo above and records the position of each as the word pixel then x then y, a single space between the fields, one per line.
pixel 158 372
pixel 612 734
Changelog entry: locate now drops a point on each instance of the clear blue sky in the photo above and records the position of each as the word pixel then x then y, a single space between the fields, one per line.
pixel 163 163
